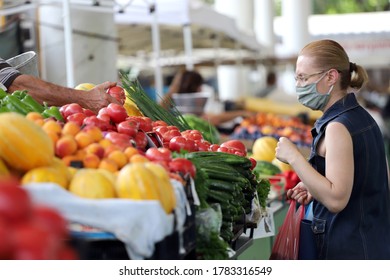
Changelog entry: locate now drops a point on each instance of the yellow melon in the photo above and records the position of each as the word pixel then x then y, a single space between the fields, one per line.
pixel 91 183
pixel 45 175
pixel 264 148
pixel 24 145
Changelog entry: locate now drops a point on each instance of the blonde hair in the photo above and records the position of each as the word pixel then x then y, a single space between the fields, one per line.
pixel 329 54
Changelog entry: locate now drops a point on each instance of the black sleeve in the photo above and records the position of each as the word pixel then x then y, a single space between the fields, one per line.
pixel 7 73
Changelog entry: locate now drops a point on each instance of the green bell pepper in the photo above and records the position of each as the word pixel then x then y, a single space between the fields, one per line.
pixel 2 93
pixel 16 105
pixel 32 103
pixel 3 108
pixel 20 94
pixel 54 112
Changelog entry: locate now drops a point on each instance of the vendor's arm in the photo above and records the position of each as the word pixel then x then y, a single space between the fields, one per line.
pixel 53 94
pixel 333 190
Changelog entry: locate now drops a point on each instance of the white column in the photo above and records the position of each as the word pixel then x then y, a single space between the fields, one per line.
pixel 264 13
pixel 68 37
pixel 295 22
pixel 233 80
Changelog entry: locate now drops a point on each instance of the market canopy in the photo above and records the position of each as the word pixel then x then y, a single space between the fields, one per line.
pixel 207 26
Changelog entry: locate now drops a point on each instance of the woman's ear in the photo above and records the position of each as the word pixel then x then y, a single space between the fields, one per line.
pixel 333 76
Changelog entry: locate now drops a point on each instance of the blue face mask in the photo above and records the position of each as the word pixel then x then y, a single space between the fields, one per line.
pixel 311 98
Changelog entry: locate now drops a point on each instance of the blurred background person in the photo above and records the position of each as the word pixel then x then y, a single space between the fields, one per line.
pixel 192 85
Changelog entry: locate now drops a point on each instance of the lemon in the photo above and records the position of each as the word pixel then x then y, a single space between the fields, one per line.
pixel 85 86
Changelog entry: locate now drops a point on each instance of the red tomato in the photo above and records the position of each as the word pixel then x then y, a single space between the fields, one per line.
pixel 5 244
pixel 202 145
pixel 104 117
pixel 235 144
pixel 118 138
pixel 158 154
pixel 140 140
pixel 116 112
pixel 172 127
pixel 89 112
pixel 51 220
pixel 146 124
pixel 103 111
pixel 15 203
pixel 71 109
pixel 128 127
pixel 67 253
pixel 168 135
pixel 224 149
pixel 77 118
pixel 161 129
pixel 31 241
pixel 62 110
pixel 182 165
pixel 254 163
pixel 195 135
pixel 118 93
pixel 159 123
pixel 179 143
pixel 213 147
pixel 95 121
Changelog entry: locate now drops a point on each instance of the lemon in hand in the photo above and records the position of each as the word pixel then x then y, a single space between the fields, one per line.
pixel 85 86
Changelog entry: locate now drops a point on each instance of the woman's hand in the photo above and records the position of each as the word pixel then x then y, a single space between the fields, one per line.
pixel 286 150
pixel 300 194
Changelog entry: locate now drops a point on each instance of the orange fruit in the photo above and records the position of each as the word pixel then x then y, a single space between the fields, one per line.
pixel 51 125
pixel 65 146
pixel 95 133
pixel 33 116
pixel 91 161
pixel 119 157
pixel 108 164
pixel 138 158
pixel 130 151
pixel 70 128
pixel 83 139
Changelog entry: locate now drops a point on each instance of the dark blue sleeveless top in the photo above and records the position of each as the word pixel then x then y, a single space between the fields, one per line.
pixel 362 229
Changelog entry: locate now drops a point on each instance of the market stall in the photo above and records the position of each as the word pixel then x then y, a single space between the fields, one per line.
pixel 131 181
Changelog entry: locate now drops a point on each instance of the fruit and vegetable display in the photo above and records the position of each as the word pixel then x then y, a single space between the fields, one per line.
pixel 134 152
pixel 274 125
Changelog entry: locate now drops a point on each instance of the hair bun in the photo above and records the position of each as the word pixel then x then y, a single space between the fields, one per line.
pixel 352 67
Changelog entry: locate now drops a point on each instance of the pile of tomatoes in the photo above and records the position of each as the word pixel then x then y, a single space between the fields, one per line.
pixel 29 231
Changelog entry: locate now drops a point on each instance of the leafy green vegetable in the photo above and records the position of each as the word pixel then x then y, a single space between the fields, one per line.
pixel 149 107
pixel 208 130
pixel 212 248
pixel 263 189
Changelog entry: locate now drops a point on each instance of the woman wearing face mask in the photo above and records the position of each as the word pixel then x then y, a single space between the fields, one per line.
pixel 346 175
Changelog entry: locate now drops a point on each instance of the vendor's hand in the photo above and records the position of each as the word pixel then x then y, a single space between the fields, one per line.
pixel 98 97
pixel 300 194
pixel 286 150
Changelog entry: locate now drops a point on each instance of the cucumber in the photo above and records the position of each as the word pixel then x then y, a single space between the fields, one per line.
pixel 221 185
pixel 266 168
pixel 219 157
pixel 222 197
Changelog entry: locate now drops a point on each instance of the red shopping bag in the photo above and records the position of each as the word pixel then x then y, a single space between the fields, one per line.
pixel 286 246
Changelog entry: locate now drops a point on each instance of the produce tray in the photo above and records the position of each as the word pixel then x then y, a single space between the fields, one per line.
pixel 96 245
pixel 92 244
pixel 113 249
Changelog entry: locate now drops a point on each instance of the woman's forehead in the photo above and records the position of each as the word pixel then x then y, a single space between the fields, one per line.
pixel 304 64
